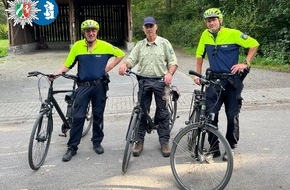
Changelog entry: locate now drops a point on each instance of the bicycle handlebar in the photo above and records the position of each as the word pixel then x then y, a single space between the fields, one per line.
pixel 128 72
pixel 206 80
pixel 68 76
pixel 192 72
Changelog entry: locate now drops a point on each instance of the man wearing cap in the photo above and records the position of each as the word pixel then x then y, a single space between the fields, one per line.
pixel 154 57
pixel 92 56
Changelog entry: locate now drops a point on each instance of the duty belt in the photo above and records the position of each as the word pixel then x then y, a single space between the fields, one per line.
pixel 89 83
pixel 222 75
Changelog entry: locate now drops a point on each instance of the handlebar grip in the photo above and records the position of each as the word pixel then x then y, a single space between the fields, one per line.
pixel 69 76
pixel 192 72
pixel 33 73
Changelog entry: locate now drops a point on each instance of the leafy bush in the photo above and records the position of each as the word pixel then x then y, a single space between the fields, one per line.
pixel 181 22
pixel 4 31
pixel 3 52
pixel 3 48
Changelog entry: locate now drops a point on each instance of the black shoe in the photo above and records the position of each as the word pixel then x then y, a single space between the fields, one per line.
pixel 98 149
pixel 215 151
pixel 216 154
pixel 68 155
pixel 225 157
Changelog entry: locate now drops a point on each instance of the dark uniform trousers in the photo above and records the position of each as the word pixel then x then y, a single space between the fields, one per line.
pixel 156 87
pixel 231 98
pixel 84 94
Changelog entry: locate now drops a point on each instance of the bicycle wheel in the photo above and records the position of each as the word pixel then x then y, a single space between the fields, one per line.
pixel 40 139
pixel 88 120
pixel 172 107
pixel 201 167
pixel 130 140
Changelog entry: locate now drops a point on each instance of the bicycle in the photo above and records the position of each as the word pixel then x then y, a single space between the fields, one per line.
pixel 132 131
pixel 195 162
pixel 42 129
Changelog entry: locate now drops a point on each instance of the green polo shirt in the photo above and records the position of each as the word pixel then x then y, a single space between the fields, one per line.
pixel 153 59
pixel 91 65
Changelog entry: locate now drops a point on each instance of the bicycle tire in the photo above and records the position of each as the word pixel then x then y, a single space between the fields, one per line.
pixel 202 171
pixel 40 139
pixel 172 107
pixel 130 140
pixel 88 121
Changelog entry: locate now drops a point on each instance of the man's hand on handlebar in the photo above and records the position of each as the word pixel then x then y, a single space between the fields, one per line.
pixel 52 77
pixel 196 80
pixel 122 69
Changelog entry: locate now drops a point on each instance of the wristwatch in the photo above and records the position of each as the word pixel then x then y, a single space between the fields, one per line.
pixel 247 62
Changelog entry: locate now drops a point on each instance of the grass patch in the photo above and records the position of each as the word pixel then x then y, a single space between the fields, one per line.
pixel 4 48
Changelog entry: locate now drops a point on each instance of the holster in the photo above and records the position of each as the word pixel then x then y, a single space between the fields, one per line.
pixel 244 73
pixel 106 80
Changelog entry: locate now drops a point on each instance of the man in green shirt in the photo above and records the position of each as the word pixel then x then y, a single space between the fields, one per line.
pixel 153 57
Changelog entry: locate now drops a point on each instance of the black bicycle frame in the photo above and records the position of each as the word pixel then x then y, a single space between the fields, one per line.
pixel 150 122
pixel 50 98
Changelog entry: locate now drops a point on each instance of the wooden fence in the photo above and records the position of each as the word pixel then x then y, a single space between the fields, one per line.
pixel 112 20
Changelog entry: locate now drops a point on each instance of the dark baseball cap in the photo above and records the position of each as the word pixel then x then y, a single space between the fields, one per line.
pixel 149 20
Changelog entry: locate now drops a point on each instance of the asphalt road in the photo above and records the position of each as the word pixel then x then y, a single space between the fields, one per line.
pixel 261 161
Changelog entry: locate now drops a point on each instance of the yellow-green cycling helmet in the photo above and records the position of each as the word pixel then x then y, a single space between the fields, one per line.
pixel 87 24
pixel 213 13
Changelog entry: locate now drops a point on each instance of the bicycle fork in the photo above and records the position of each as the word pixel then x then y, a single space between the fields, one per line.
pixel 197 139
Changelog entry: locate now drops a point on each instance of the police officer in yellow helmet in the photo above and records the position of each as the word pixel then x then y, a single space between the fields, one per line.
pixel 91 56
pixel 221 45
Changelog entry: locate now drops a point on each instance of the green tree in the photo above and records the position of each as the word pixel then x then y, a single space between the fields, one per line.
pixel 181 21
pixel 3 13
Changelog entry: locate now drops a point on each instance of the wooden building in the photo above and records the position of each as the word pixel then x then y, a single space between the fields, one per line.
pixel 114 17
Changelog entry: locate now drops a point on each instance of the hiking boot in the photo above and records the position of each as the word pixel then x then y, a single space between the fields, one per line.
pixel 225 157
pixel 165 149
pixel 98 149
pixel 138 147
pixel 68 155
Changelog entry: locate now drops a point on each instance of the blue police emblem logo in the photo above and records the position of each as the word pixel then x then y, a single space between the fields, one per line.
pixel 48 13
